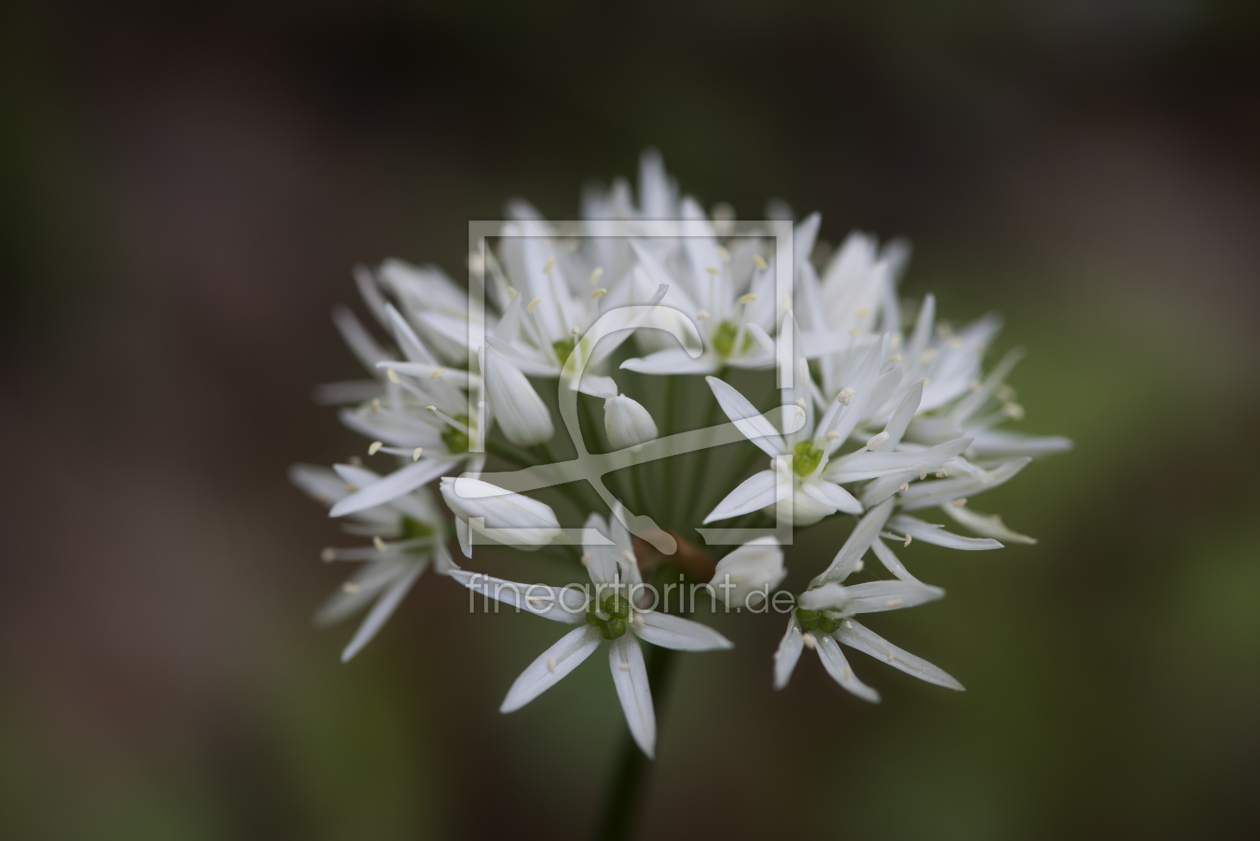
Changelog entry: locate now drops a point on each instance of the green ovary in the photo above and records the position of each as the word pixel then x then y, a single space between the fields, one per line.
pixel 611 617
pixel 817 620
pixel 806 459
pixel 456 440
pixel 563 348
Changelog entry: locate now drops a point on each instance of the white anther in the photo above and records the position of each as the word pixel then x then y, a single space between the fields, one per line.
pixel 747 299
pixel 598 293
pixel 1013 411
pixel 437 372
pixel 854 331
pixel 926 382
pixel 350 587
pixel 551 665
pixel 574 331
pixel 416 453
pixel 393 377
pixel 928 355
pixel 955 344
pixel 909 537
pixel 922 473
pixel 876 440
pixel 844 397
pixel 355 461
pixel 960 502
pixel 512 293
pixel 895 342
pixel 376 405
pixel 532 305
pixel 628 557
pixel 702 315
pixel 832 436
pixel 551 261
pixel 328 555
pixel 379 544
pixel 595 275
pixel 586 558
pixel 625 667
pixel 896 357
pixel 862 313
pixel 809 640
pixel 375 447
pixel 637 621
pixel 890 655
pixel 786 303
pixel 800 401
pixel 893 603
pixel 905 486
pixel 858 565
pixel 351 488
pixel 430 408
pixel 942 473
pixel 846 673
pixel 533 600
pixel 712 271
pixel 848 623
pixel 760 261
pixel 723 253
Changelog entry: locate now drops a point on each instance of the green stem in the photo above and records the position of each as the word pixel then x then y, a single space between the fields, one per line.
pixel 698 484
pixel 625 798
pixel 666 517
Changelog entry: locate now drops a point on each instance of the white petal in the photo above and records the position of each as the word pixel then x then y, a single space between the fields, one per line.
pixel 361 343
pixel 755 567
pixel 597 385
pixel 864 534
pixel 552 665
pixel 829 493
pixel 521 413
pixel 747 419
pixel 671 361
pixel 872 465
pixel 753 494
pixel 627 423
pixel 932 533
pixel 680 634
pixel 837 666
pixel 997 442
pixel 901 418
pixel 988 525
pixel 394 485
pixel 381 611
pixel 561 604
pixel 630 678
pixel 878 596
pixel 892 563
pixel 856 635
pixel 788 653
pixel 928 494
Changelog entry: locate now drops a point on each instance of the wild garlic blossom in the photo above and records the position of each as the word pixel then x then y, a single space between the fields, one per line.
pixel 881 414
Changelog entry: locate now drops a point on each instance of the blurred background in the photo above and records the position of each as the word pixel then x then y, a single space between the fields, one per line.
pixel 183 193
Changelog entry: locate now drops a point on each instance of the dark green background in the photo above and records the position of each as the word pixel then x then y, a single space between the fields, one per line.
pixel 182 195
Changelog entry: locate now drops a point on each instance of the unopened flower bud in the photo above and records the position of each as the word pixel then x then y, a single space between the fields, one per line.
pixel 627 423
pixel 521 413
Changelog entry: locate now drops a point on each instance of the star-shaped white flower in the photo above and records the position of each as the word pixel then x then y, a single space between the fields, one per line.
pixel 824 618
pixel 408 536
pixel 809 459
pixel 608 612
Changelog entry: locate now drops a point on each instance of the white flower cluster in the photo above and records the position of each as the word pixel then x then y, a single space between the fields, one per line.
pixel 880 423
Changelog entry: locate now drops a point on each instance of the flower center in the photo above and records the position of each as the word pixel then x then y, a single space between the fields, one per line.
pixel 413 529
pixel 563 349
pixel 817 620
pixel 806 459
pixel 456 440
pixel 724 338
pixel 610 616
